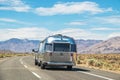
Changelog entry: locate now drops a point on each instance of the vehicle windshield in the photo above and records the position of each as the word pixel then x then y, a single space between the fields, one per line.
pixel 65 47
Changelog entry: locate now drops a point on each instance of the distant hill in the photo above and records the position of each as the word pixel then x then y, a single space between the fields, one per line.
pixel 84 44
pixel 25 45
pixel 111 45
pixel 19 45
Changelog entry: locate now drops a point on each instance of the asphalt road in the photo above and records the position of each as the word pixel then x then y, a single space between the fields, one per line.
pixel 23 68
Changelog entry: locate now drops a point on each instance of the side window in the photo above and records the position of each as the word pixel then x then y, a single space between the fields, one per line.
pixel 48 47
pixel 43 47
pixel 73 47
pixel 40 47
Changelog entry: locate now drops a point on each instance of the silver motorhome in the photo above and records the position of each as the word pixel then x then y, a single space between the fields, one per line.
pixel 56 50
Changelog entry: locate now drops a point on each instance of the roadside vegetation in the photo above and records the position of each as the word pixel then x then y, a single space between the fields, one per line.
pixel 11 54
pixel 108 62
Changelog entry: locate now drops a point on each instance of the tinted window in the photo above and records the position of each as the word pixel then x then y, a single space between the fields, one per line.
pixel 62 47
pixel 73 48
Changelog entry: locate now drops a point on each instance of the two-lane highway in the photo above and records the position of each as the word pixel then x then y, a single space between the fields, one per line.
pixel 23 68
pixel 12 69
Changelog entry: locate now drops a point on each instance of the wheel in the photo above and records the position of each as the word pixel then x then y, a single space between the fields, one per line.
pixel 42 66
pixel 36 63
pixel 69 67
pixel 39 64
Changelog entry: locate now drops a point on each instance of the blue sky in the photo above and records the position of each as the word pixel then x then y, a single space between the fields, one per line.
pixel 80 19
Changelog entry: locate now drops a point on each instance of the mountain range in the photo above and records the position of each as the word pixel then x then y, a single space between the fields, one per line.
pixel 111 45
pixel 84 44
pixel 25 45
pixel 19 45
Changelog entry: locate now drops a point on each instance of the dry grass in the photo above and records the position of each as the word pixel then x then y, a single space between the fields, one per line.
pixel 11 54
pixel 100 61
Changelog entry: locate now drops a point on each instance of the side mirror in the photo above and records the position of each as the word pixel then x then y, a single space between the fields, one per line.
pixel 33 50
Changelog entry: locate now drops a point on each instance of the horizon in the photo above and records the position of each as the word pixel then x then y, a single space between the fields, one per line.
pixel 43 39
pixel 35 20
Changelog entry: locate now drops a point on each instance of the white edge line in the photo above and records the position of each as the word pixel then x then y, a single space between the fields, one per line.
pixel 21 61
pixel 96 75
pixel 36 75
pixel 25 66
pixel 31 71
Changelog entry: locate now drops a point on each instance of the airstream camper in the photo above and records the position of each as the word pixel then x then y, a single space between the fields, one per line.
pixel 56 50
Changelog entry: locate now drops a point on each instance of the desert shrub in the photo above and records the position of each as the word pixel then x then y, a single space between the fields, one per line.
pixel 91 62
pixel 78 62
pixel 102 61
pixel 99 64
pixel 1 56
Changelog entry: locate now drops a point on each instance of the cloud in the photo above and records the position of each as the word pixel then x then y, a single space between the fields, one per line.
pixel 114 34
pixel 8 20
pixel 80 33
pixel 14 5
pixel 112 19
pixel 77 33
pixel 41 33
pixel 104 29
pixel 115 20
pixel 76 23
pixel 22 33
pixel 71 8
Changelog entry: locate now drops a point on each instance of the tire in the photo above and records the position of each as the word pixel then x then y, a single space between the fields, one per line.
pixel 69 67
pixel 36 63
pixel 39 64
pixel 42 66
